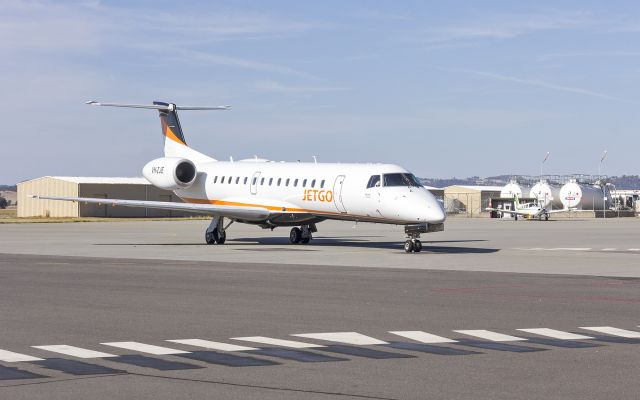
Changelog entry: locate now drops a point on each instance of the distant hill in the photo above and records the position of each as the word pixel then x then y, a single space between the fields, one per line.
pixel 620 182
pixel 9 195
pixel 10 188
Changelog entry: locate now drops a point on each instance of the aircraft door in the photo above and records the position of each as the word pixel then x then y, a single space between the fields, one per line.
pixel 337 193
pixel 254 183
pixel 372 196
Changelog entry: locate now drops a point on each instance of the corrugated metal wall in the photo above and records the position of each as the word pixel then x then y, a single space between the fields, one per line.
pixel 129 192
pixel 28 207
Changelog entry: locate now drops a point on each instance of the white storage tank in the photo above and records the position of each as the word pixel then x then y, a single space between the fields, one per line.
pixel 547 195
pixel 574 195
pixel 513 188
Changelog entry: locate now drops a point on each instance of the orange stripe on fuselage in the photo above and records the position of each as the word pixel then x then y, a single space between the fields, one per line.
pixel 286 209
pixel 238 204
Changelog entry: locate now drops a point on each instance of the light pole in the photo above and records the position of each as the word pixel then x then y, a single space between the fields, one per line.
pixel 546 156
pixel 604 192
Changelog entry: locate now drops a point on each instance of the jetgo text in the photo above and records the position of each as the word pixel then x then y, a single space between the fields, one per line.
pixel 317 195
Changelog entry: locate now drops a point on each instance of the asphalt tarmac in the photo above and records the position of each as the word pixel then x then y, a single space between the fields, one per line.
pixel 128 299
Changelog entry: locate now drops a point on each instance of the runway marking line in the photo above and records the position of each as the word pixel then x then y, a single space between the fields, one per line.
pixel 489 335
pixel 145 348
pixel 10 356
pixel 423 337
pixel 73 351
pixel 609 330
pixel 354 338
pixel 552 333
pixel 207 344
pixel 279 342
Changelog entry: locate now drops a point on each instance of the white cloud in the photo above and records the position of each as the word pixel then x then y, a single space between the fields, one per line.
pixel 536 83
pixel 502 26
pixel 596 54
pixel 277 87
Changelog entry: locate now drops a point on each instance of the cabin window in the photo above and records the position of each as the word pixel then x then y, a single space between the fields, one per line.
pixel 255 180
pixel 313 183
pixel 245 180
pixel 304 183
pixel 222 180
pixel 295 183
pixel 215 179
pixel 287 183
pixel 261 181
pixel 270 181
pixel 237 180
pixel 230 180
pixel 374 181
pixel 279 181
pixel 322 184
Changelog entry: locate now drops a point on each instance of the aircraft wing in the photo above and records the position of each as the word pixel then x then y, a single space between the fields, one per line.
pixel 252 213
pixel 507 211
pixel 567 210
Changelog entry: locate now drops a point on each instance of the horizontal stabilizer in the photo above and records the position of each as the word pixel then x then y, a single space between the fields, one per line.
pixel 162 107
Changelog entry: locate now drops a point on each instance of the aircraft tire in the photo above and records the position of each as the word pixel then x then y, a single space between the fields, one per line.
pixel 222 237
pixel 295 235
pixel 209 238
pixel 417 246
pixel 408 246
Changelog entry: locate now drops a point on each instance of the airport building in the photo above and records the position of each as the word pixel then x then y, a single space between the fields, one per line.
pixel 101 187
pixel 469 201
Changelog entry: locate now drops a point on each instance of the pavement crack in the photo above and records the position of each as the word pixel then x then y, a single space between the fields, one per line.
pixel 243 385
pixel 282 389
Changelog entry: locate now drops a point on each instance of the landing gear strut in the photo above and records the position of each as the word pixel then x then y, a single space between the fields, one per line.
pixel 216 233
pixel 303 235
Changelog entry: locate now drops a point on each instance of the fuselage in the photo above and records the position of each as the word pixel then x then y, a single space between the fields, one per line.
pixel 309 192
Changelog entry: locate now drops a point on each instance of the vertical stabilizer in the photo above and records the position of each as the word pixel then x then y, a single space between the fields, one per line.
pixel 175 144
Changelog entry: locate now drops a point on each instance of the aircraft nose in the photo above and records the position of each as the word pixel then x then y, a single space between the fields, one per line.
pixel 435 213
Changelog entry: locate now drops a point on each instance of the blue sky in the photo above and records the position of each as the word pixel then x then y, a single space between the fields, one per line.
pixel 442 88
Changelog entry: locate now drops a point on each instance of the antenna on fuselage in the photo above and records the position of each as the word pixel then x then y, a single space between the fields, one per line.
pixel 315 160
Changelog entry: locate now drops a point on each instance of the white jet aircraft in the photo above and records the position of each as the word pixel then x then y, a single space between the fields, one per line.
pixel 272 194
pixel 529 210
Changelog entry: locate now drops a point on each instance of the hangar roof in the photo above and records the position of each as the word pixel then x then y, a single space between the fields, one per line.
pixel 103 180
pixel 479 188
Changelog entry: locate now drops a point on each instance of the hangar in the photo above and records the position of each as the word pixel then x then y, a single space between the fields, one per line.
pixel 97 187
pixel 469 201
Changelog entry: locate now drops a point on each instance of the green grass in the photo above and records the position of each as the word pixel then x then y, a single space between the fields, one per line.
pixel 9 216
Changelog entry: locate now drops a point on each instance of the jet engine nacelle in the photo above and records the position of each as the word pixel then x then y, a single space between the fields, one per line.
pixel 170 173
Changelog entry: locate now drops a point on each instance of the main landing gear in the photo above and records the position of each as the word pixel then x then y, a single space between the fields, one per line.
pixel 303 235
pixel 216 233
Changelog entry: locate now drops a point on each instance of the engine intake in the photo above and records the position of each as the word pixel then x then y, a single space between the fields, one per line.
pixel 170 173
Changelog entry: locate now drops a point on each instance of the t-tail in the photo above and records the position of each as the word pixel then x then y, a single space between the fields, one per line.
pixel 175 144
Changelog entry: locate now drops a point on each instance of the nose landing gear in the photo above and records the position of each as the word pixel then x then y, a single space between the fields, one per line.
pixel 413 243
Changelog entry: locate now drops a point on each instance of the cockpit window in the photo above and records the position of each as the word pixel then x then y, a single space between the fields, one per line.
pixel 374 181
pixel 401 179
